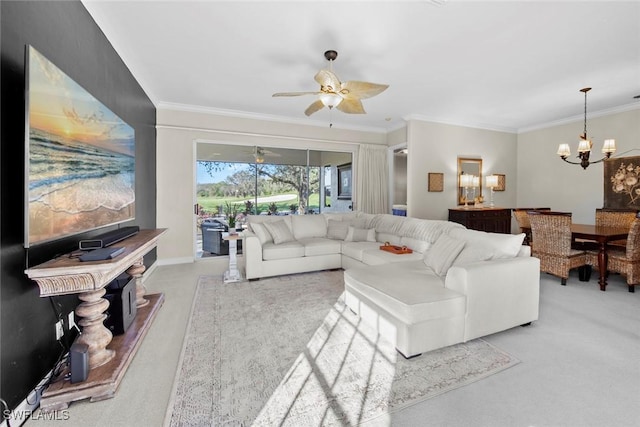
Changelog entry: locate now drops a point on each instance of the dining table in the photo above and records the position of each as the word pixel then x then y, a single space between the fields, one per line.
pixel 602 235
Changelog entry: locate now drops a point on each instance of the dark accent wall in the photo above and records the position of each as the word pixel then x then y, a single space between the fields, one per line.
pixel 65 33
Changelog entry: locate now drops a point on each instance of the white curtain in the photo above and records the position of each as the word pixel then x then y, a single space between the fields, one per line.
pixel 372 180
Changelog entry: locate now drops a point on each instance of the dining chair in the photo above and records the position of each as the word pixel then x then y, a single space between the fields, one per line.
pixel 523 221
pixel 616 218
pixel 624 261
pixel 551 233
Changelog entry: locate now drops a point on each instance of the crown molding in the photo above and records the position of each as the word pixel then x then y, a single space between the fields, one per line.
pixel 573 119
pixel 399 125
pixel 261 116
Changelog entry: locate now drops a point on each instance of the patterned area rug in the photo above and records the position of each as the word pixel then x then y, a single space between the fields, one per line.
pixel 287 351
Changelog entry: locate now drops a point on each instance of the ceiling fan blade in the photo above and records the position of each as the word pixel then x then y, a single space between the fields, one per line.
pixel 316 106
pixel 295 93
pixel 351 105
pixel 361 90
pixel 328 80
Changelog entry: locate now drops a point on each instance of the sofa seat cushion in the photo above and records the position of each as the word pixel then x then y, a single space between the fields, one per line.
pixel 356 250
pixel 377 257
pixel 412 293
pixel 320 246
pixel 271 251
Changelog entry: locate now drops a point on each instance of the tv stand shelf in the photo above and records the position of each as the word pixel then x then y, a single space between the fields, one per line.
pixel 103 381
pixel 109 357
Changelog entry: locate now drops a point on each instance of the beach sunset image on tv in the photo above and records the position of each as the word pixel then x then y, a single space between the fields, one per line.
pixel 81 157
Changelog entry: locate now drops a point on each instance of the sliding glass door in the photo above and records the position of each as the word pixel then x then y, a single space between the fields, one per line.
pixel 234 181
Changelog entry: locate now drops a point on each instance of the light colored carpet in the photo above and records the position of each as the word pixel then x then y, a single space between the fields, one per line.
pixel 286 351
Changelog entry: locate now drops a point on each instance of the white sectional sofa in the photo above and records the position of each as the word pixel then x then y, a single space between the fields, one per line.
pixel 457 285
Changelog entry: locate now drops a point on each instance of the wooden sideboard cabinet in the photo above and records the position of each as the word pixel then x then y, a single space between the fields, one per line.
pixel 495 220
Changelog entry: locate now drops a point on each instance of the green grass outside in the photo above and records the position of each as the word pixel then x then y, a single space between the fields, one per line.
pixel 210 204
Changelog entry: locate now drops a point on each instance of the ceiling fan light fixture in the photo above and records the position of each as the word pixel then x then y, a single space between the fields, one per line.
pixel 330 99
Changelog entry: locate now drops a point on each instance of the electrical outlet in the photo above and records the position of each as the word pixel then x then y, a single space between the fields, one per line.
pixel 71 322
pixel 59 330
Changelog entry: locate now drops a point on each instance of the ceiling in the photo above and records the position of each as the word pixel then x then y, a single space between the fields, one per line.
pixel 511 66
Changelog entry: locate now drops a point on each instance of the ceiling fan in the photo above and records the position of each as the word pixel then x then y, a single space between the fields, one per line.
pixel 259 154
pixel 346 96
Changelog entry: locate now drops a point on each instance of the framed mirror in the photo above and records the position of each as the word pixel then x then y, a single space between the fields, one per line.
pixel 469 167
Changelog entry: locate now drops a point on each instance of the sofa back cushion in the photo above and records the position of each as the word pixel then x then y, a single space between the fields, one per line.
pixel 340 216
pixel 308 226
pixel 493 245
pixel 336 229
pixel 261 219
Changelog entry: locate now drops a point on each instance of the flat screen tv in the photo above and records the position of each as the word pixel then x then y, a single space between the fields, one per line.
pixel 80 157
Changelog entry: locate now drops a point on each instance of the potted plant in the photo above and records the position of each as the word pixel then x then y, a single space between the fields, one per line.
pixel 231 213
pixel 273 208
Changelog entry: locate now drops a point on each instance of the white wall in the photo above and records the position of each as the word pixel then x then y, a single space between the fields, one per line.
pixel 435 147
pixel 535 176
pixel 545 180
pixel 177 131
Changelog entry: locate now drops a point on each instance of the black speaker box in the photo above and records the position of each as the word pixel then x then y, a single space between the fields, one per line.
pixel 121 294
pixel 108 238
pixel 79 362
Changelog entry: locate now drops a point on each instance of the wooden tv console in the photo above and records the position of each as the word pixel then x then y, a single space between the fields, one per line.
pixel 109 357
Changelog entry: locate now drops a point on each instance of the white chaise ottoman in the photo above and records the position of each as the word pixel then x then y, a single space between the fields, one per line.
pixel 407 304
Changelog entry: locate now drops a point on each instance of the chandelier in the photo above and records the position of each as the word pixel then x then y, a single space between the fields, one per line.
pixel 585 144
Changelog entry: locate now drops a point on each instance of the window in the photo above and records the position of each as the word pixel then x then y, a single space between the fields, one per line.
pixel 234 181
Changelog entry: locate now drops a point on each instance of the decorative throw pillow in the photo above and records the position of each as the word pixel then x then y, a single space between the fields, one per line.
pixel 337 230
pixel 279 231
pixel 263 235
pixel 443 253
pixel 360 234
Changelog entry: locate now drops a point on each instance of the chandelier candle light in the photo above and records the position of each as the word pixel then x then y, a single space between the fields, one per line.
pixel 585 144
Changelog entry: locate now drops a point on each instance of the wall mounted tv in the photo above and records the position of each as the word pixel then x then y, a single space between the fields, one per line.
pixel 80 157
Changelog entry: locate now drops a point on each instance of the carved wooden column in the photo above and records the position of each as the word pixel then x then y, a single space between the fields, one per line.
pixel 94 334
pixel 136 271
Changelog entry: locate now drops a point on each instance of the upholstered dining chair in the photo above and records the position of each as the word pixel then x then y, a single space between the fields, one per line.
pixel 624 261
pixel 551 233
pixel 523 221
pixel 616 218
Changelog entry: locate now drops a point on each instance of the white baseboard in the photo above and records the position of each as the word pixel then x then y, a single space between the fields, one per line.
pixel 172 261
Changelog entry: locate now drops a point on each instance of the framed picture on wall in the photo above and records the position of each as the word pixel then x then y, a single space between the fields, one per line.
pixel 622 183
pixel 435 182
pixel 344 181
